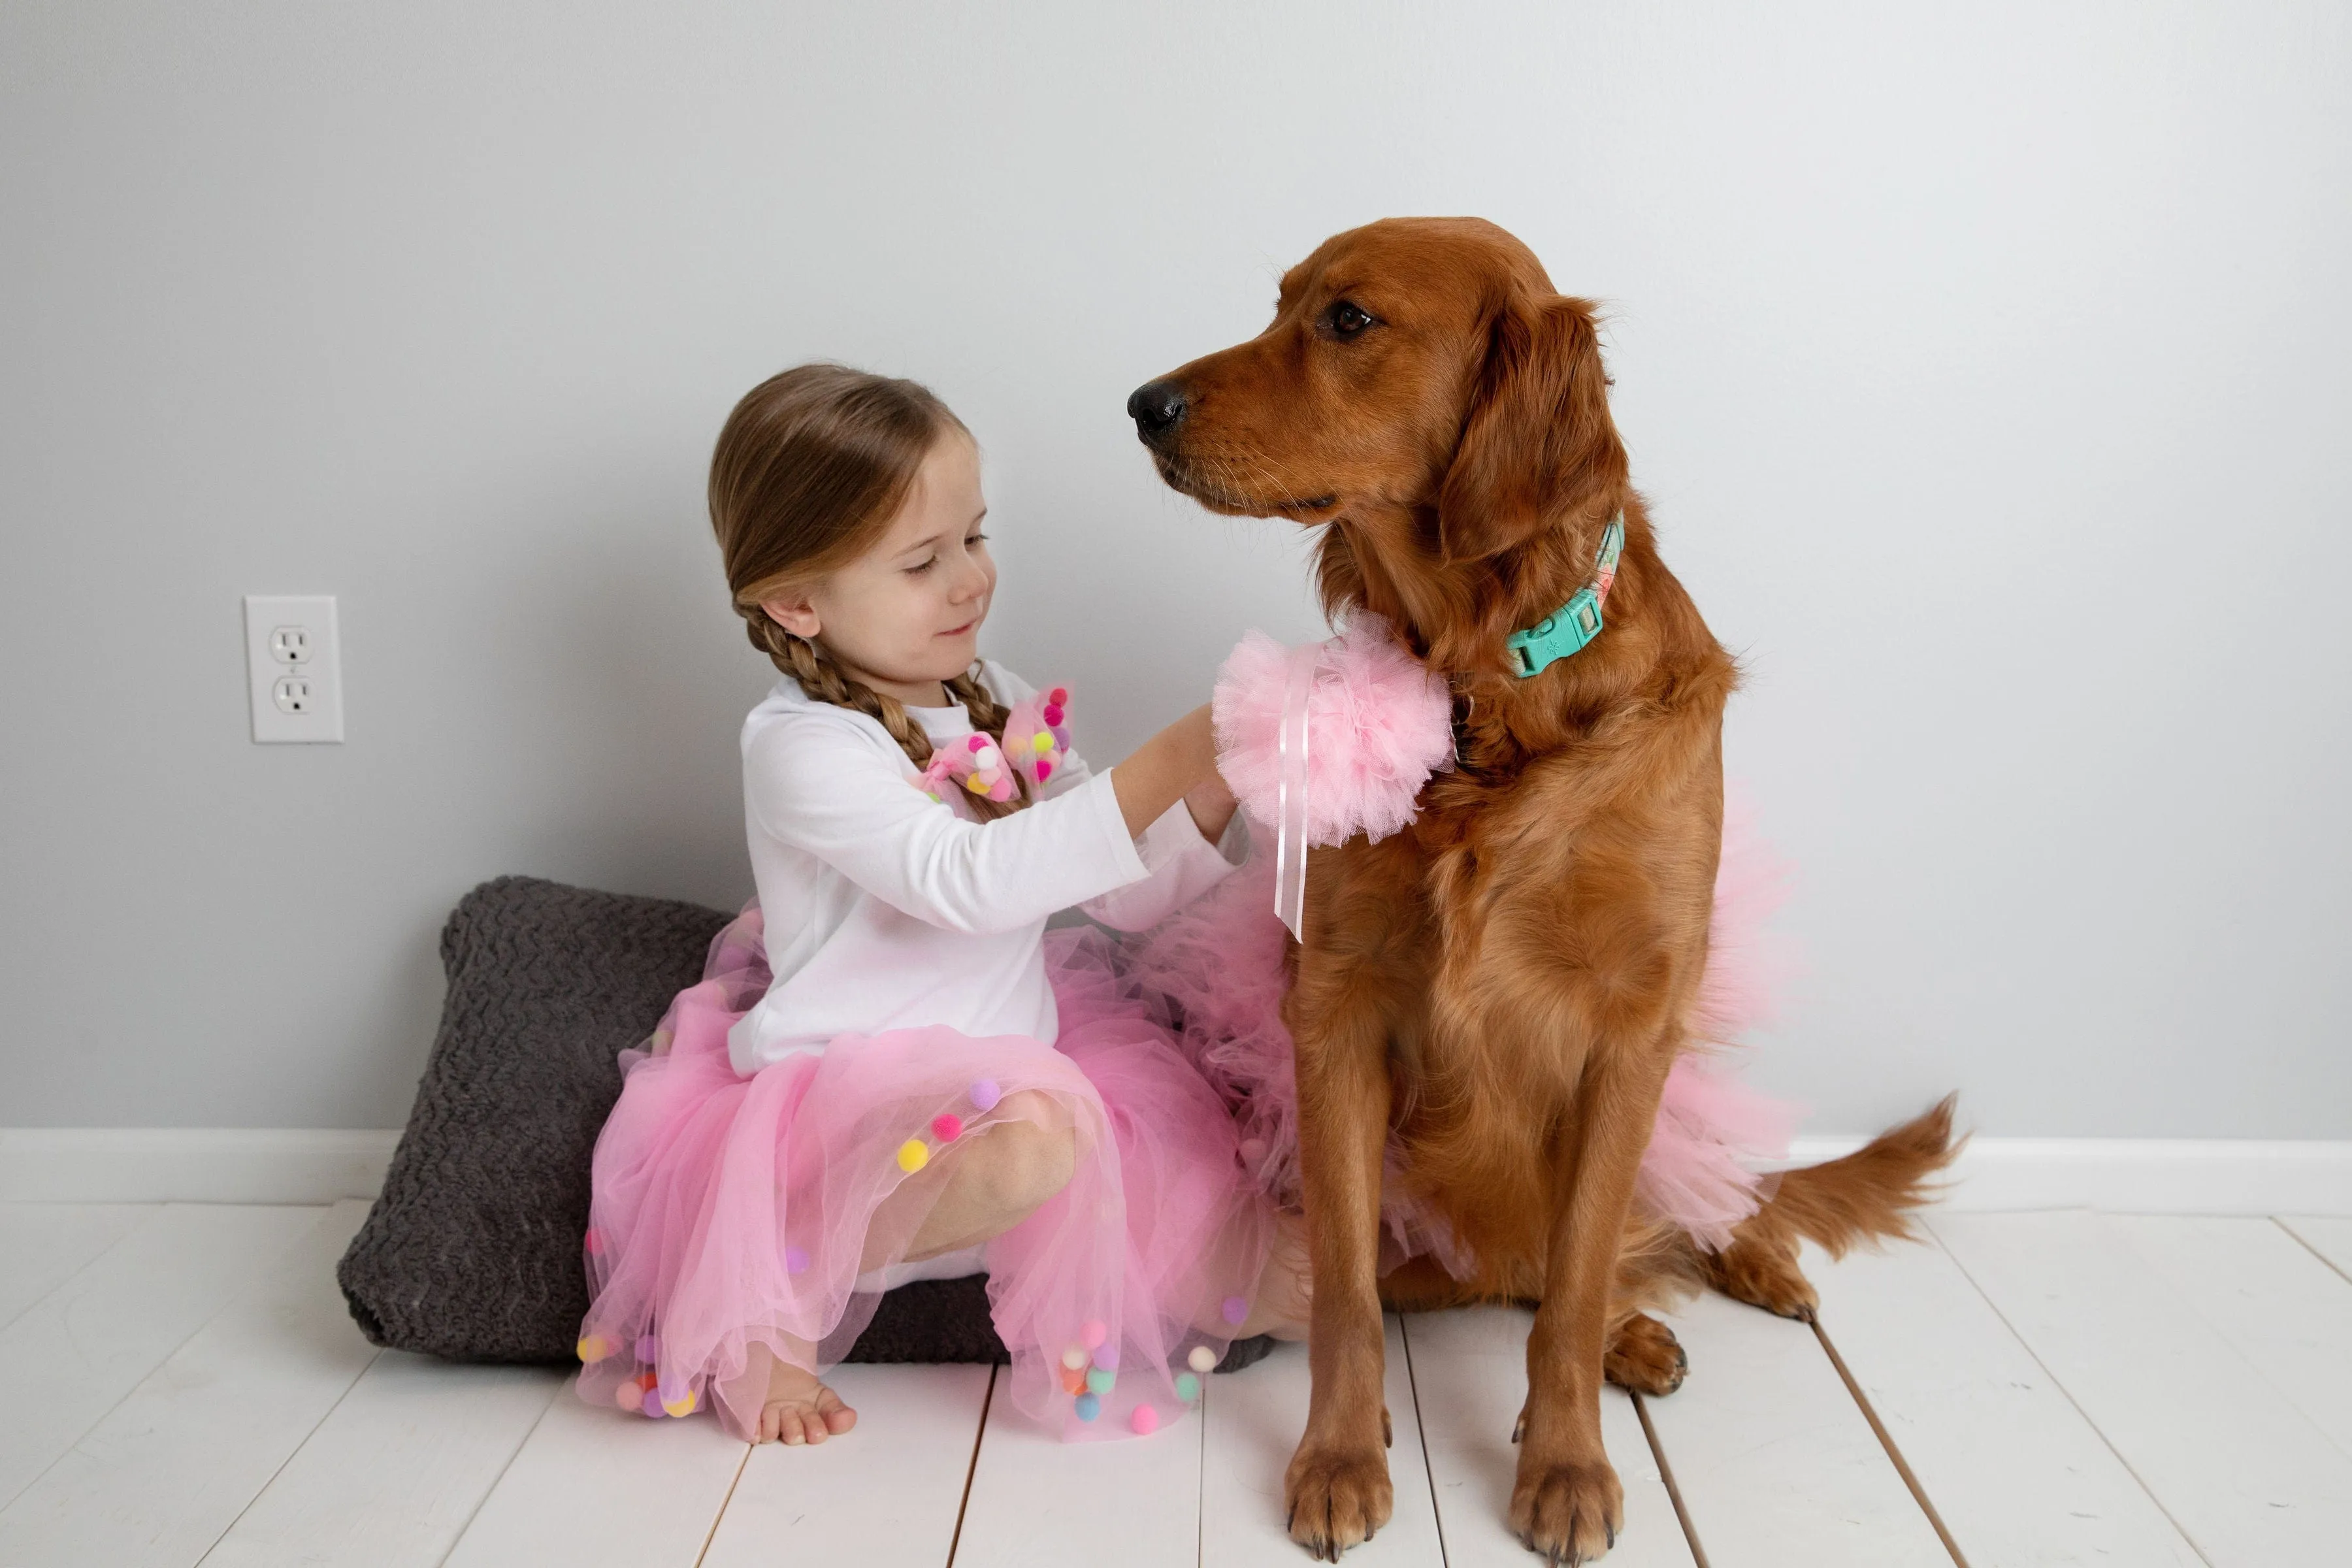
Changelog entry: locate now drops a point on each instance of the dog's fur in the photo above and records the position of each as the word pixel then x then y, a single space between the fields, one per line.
pixel 1507 982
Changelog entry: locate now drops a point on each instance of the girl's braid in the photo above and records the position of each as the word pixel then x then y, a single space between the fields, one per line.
pixel 824 682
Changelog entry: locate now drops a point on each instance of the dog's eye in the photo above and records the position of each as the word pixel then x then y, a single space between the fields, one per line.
pixel 1346 318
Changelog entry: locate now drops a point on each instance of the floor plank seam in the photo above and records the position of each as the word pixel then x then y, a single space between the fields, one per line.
pixel 95 1260
pixel 963 1504
pixel 720 1512
pixel 1428 1468
pixel 2333 1267
pixel 2060 1385
pixel 1200 1492
pixel 100 1419
pixel 458 1538
pixel 1666 1476
pixel 1887 1441
pixel 291 1454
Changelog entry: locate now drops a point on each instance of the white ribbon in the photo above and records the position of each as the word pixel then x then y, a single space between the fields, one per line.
pixel 1290 799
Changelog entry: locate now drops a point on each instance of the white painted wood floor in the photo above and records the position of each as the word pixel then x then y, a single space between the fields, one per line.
pixel 180 1384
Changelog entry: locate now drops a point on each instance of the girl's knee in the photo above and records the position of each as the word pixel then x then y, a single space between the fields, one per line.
pixel 1032 1153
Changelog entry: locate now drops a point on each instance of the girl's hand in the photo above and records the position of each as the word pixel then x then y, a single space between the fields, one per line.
pixel 1166 769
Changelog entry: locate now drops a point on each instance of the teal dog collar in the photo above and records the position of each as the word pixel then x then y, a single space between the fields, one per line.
pixel 1567 629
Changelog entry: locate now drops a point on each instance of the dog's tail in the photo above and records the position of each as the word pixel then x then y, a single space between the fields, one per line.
pixel 1865 1197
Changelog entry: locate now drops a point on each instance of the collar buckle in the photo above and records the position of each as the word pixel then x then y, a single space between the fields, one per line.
pixel 1568 630
pixel 1564 632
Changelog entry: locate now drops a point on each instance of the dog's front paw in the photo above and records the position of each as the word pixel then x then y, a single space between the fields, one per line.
pixel 1644 1356
pixel 1566 1512
pixel 1336 1497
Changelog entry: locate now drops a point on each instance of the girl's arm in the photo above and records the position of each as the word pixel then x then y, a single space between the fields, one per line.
pixel 1165 769
pixel 1209 802
pixel 1181 845
pixel 1187 851
pixel 1185 865
pixel 819 783
pixel 1212 804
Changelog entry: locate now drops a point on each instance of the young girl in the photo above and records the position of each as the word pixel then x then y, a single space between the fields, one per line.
pixel 901 1074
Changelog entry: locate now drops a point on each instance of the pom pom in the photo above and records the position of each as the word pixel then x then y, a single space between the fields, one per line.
pixel 976 744
pixel 1101 1379
pixel 985 1094
pixel 947 1127
pixel 651 1404
pixel 796 1260
pixel 1074 1379
pixel 1378 724
pixel 1234 1310
pixel 1188 1387
pixel 1089 1406
pixel 1203 1360
pixel 648 1349
pixel 1093 1333
pixel 1107 1357
pixel 1075 1358
pixel 593 1348
pixel 1058 698
pixel 629 1397
pixel 1045 770
pixel 913 1156
pixel 1146 1420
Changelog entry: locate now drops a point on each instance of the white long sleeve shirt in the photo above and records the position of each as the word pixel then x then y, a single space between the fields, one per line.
pixel 886 909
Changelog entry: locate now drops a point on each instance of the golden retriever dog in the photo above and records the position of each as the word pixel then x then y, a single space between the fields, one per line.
pixel 1504 984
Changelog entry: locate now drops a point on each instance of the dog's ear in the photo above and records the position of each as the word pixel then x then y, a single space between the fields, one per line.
pixel 1537 444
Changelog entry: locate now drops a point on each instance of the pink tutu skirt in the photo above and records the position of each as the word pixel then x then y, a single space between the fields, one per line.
pixel 734 1212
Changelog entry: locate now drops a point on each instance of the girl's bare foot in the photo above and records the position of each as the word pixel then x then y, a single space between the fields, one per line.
pixel 798 1408
pixel 1285 1286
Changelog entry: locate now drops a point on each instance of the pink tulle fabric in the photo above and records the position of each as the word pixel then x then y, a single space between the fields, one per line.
pixel 1378 724
pixel 1220 961
pixel 731 1213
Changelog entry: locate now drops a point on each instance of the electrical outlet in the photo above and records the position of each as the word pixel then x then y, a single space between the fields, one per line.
pixel 294 669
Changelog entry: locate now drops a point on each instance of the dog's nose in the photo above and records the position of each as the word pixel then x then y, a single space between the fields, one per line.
pixel 1157 407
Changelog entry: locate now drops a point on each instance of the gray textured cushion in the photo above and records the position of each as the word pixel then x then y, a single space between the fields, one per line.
pixel 472 1252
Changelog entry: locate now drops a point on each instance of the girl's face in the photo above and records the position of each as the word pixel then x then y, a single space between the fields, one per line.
pixel 905 616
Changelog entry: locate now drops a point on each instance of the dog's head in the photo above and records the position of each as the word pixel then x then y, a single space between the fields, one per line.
pixel 1421 384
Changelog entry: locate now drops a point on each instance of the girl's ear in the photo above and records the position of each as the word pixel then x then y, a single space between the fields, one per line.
pixel 795 615
pixel 1537 445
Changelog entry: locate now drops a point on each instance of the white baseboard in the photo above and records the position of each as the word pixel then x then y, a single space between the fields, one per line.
pixel 2137 1175
pixel 192 1164
pixel 286 1165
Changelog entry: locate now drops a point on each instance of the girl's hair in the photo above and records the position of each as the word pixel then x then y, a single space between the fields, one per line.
pixel 810 468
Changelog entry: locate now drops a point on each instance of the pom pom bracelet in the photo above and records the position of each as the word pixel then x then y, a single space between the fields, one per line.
pixel 1035 746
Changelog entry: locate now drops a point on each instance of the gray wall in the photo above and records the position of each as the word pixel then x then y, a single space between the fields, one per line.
pixel 1988 371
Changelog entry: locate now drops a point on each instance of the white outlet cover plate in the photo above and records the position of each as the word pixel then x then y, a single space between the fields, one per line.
pixel 265 614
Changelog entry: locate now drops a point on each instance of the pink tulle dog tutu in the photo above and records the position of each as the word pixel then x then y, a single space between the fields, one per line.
pixel 1335 738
